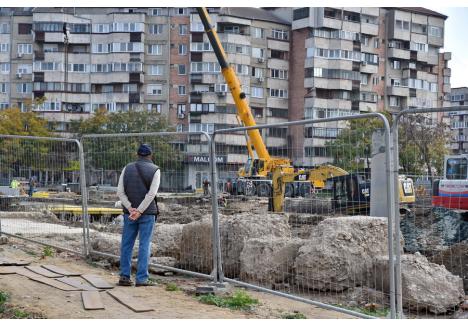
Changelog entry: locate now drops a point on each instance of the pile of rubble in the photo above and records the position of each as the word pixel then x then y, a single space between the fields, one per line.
pixel 336 254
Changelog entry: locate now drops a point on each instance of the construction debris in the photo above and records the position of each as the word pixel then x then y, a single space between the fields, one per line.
pixel 340 251
pixel 269 260
pixel 425 286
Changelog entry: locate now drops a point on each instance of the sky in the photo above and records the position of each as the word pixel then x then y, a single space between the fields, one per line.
pixel 456 41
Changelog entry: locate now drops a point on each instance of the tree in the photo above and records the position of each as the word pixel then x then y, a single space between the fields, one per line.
pixel 113 153
pixel 423 144
pixel 351 149
pixel 15 122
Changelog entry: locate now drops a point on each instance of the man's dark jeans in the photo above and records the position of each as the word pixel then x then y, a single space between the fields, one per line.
pixel 144 227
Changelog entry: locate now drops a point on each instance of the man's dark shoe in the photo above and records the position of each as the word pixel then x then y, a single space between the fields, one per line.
pixel 125 281
pixel 149 282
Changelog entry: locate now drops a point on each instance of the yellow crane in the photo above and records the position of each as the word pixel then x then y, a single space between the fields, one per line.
pixel 257 172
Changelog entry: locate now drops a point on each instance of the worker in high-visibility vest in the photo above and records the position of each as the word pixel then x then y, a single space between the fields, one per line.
pixel 14 184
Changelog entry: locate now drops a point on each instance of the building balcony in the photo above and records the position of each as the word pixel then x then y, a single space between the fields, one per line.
pixel 38 55
pixel 370 29
pixel 447 55
pixel 446 88
pixel 399 53
pixel 422 56
pixel 369 69
pixel 367 107
pixel 39 36
pixel 134 98
pixel 447 72
pixel 136 77
pixel 398 91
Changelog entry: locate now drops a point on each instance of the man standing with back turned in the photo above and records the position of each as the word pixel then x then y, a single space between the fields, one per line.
pixel 137 188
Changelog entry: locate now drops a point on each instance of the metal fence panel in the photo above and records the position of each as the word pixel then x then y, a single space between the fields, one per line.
pixel 182 238
pixel 315 251
pixel 431 275
pixel 41 198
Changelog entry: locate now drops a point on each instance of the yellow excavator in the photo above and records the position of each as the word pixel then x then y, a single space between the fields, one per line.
pixel 255 178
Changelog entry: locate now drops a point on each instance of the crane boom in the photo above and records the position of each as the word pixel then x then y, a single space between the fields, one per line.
pixel 243 109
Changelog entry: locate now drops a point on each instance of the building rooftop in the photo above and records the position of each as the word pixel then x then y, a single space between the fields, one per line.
pixel 252 13
pixel 422 11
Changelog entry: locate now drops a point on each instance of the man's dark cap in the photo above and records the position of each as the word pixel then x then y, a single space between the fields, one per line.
pixel 145 150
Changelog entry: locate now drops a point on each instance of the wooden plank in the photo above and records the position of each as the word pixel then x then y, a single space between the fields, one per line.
pixel 97 281
pixel 42 271
pixel 4 261
pixel 77 283
pixel 129 301
pixel 92 300
pixel 45 280
pixel 59 270
pixel 4 270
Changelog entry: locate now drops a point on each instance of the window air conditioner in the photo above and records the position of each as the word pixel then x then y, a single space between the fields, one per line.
pixel 19 75
pixel 260 79
pixel 261 60
pixel 181 115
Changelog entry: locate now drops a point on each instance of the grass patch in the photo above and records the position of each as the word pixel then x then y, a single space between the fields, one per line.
pixel 172 287
pixel 21 314
pixel 370 309
pixel 294 315
pixel 48 251
pixel 240 300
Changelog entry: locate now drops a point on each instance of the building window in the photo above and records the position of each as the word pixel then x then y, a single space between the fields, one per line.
pixel 156 11
pixel 435 31
pixel 402 24
pixel 396 64
pixel 418 47
pixel 4 47
pixel 155 49
pixel 24 48
pixel 364 79
pixel 376 43
pixel 395 82
pixel 257 72
pixel 24 69
pixel 182 69
pixel 24 29
pixel 279 73
pixel 278 113
pixel 4 28
pixel 279 34
pixel 258 32
pixel 258 52
pixel 183 29
pixel 154 89
pixel 301 13
pixel 156 70
pixel 154 107
pixel 24 88
pixel 281 93
pixel 202 108
pixel 181 90
pixel 182 49
pixel 242 69
pixel 156 28
pixel 181 109
pixel 197 27
pixel 205 67
pixel 394 101
pixel 256 92
pixel 180 11
pixel 3 88
pixel 278 132
pixel 375 80
pixel 4 67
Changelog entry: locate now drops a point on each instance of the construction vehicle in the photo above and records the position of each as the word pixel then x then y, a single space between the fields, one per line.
pixel 255 178
pixel 351 193
pixel 451 192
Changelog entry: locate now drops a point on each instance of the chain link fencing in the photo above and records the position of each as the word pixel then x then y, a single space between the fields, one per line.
pixel 41 191
pixel 182 236
pixel 320 245
pixel 432 269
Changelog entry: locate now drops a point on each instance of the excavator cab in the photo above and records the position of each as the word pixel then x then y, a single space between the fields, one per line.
pixel 254 168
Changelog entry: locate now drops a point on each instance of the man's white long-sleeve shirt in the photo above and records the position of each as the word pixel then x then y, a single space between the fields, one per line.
pixel 149 197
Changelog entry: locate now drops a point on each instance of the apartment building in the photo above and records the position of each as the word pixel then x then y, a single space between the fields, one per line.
pixel 293 63
pixel 356 60
pixel 459 121
pixel 257 44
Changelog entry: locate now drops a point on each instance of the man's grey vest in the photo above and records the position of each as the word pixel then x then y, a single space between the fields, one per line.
pixel 135 188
